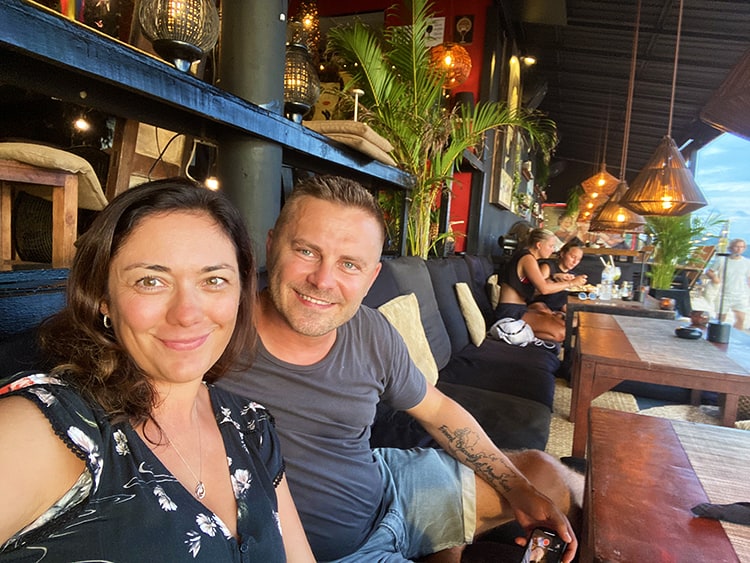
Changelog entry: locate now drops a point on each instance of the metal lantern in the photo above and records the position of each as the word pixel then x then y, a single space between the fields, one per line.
pixel 181 31
pixel 301 82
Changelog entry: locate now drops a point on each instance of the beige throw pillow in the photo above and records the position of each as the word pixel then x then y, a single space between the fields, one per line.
pixel 472 314
pixel 403 313
pixel 493 290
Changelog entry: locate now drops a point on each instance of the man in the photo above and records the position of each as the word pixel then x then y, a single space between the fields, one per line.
pixel 322 364
pixel 737 283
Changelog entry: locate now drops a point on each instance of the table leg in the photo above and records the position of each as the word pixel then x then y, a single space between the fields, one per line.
pixel 729 404
pixel 579 405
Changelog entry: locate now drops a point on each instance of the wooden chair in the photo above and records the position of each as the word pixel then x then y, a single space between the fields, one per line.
pixel 72 182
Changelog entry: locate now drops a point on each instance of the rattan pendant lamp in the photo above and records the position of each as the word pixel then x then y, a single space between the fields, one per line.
pixel 602 184
pixel 613 216
pixel 666 186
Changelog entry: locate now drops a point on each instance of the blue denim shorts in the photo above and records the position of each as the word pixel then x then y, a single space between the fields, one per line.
pixel 428 505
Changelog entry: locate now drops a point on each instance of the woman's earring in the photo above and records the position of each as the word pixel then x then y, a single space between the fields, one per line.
pixel 107 321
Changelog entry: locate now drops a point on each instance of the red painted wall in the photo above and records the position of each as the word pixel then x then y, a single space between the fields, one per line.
pixel 449 9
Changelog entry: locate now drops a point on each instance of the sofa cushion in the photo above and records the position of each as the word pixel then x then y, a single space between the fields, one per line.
pixel 480 269
pixel 511 422
pixel 408 274
pixel 527 372
pixel 444 276
pixel 403 313
pixel 472 315
pixel 493 292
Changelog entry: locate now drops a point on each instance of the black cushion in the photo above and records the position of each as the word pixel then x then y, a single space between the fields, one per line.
pixel 512 423
pixel 408 274
pixel 444 278
pixel 522 371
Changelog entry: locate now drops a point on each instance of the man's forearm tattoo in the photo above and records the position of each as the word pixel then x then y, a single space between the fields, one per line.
pixel 463 442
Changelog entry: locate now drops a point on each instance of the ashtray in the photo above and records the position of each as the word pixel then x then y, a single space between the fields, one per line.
pixel 688 332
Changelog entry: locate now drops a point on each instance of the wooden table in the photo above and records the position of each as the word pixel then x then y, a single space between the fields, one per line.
pixel 645 474
pixel 648 308
pixel 611 349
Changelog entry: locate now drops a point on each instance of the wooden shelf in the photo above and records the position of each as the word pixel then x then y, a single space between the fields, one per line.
pixel 44 52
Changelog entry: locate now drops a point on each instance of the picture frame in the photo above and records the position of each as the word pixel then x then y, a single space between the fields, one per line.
pixel 506 146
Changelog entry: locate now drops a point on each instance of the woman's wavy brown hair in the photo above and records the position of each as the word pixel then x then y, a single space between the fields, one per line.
pixel 89 355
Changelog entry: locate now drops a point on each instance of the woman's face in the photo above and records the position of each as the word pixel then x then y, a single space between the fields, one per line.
pixel 571 258
pixel 546 247
pixel 173 295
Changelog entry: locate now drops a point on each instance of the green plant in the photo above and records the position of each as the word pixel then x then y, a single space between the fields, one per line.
pixel 674 240
pixel 403 95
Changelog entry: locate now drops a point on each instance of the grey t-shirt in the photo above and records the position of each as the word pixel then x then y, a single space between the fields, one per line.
pixel 323 415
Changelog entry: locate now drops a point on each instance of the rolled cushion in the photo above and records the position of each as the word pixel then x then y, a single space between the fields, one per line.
pixel 347 127
pixel 90 194
pixel 364 146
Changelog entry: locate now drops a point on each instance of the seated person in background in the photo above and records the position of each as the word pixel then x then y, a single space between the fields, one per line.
pixel 126 450
pixel 557 270
pixel 324 361
pixel 523 278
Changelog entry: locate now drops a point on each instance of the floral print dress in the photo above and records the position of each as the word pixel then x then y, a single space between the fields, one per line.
pixel 127 506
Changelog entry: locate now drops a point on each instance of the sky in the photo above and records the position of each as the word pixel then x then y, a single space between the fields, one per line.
pixel 723 174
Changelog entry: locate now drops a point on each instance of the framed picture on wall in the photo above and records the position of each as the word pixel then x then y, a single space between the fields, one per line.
pixel 506 146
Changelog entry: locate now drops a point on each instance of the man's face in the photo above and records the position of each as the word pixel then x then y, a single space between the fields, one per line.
pixel 738 248
pixel 321 265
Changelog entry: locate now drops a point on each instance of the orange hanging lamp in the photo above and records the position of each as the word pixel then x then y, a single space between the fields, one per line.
pixel 453 61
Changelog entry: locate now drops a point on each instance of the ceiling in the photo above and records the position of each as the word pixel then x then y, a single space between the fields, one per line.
pixel 584 52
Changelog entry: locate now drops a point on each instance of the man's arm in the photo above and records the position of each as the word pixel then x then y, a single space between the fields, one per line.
pixel 460 434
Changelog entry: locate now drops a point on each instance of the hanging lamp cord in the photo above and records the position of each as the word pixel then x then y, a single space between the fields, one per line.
pixel 631 88
pixel 674 72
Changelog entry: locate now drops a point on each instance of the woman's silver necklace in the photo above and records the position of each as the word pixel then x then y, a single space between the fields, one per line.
pixel 200 488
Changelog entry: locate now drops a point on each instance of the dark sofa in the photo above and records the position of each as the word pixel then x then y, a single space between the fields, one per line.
pixel 509 389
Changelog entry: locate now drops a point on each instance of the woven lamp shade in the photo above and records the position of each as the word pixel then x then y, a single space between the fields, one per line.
pixel 602 183
pixel 452 60
pixel 589 205
pixel 665 186
pixel 613 216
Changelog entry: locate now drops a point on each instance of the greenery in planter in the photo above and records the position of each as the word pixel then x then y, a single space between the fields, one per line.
pixel 403 97
pixel 674 239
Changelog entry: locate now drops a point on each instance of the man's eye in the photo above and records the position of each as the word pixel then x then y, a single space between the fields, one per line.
pixel 349 266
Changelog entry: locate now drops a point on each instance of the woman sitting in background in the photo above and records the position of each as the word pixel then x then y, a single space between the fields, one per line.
pixel 126 451
pixel 558 270
pixel 523 278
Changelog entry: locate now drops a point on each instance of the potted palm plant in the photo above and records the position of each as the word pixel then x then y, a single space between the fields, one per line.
pixel 674 240
pixel 402 97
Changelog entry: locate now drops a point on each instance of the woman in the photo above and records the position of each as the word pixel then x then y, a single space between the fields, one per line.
pixel 523 278
pixel 559 269
pixel 128 428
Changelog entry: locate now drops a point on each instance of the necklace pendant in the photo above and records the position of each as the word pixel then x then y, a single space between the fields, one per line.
pixel 200 490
